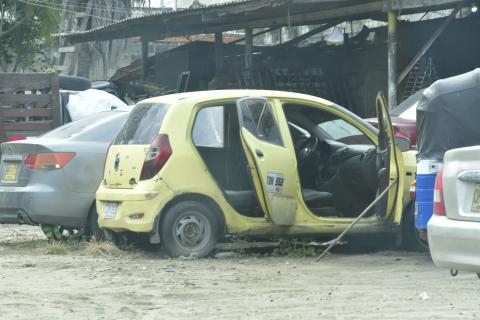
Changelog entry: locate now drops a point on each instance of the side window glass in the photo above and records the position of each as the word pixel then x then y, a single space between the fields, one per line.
pixel 344 132
pixel 208 130
pixel 257 117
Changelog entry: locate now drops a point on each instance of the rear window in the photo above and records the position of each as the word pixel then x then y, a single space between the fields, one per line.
pixel 143 124
pixel 77 127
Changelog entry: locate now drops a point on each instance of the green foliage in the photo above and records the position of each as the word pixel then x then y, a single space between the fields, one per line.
pixel 26 30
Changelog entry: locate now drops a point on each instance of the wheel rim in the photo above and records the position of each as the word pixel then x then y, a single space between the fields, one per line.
pixel 192 231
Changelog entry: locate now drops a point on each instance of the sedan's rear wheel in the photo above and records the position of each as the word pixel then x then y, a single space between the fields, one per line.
pixel 189 229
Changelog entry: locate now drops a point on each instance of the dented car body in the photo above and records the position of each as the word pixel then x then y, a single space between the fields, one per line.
pixel 188 168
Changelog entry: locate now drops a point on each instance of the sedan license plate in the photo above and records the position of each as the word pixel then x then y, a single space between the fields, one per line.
pixel 476 199
pixel 11 170
pixel 110 210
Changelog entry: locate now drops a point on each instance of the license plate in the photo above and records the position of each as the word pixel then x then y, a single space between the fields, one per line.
pixel 11 170
pixel 110 210
pixel 476 199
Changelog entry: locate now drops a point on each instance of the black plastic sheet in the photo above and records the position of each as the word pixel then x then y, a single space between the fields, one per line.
pixel 448 116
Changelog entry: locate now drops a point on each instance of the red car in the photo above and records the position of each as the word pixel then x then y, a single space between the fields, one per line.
pixel 404 118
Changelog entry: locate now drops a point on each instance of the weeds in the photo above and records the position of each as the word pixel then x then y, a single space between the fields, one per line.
pixel 297 248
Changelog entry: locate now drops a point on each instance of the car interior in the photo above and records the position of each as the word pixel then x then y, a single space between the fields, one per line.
pixel 341 158
pixel 336 162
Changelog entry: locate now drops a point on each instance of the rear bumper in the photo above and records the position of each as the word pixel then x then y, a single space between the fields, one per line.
pixel 44 204
pixel 130 202
pixel 454 244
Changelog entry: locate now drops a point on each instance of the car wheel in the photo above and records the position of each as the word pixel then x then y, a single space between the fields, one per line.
pixel 411 239
pixel 189 229
pixel 92 229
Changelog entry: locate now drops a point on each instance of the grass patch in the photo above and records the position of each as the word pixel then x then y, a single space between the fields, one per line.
pixel 297 248
pixel 57 247
pixel 100 248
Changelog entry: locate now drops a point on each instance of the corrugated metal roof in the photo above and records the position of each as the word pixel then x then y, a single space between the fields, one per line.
pixel 158 15
pixel 248 14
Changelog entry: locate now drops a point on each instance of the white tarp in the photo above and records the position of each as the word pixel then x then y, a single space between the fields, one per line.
pixel 91 101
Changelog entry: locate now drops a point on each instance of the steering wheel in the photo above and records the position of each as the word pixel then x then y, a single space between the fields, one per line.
pixel 307 149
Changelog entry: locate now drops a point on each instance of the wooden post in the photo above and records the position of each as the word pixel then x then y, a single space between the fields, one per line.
pixel 249 57
pixel 144 59
pixel 219 63
pixel 392 58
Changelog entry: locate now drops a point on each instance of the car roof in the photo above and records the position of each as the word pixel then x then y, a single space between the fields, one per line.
pixel 199 96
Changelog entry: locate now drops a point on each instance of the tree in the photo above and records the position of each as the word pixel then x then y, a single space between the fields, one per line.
pixel 25 30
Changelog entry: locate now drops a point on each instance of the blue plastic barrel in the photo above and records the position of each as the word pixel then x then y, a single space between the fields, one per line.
pixel 426 173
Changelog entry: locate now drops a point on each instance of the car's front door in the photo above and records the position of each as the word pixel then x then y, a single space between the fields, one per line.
pixel 273 167
pixel 389 164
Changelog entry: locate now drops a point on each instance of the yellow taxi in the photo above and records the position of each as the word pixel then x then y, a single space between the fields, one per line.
pixel 188 168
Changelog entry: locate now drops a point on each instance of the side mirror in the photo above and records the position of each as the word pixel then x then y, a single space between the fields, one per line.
pixel 403 143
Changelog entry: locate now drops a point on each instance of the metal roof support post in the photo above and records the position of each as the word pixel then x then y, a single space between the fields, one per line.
pixel 219 63
pixel 144 58
pixel 392 58
pixel 249 57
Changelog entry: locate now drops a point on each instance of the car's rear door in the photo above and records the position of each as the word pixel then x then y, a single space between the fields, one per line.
pixel 273 167
pixel 389 164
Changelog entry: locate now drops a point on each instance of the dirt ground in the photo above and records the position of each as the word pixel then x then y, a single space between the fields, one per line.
pixel 39 280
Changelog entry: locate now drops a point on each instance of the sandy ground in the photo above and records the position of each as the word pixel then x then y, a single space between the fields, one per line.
pixel 96 281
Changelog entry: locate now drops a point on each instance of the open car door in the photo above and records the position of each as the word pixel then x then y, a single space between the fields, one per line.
pixel 389 164
pixel 273 167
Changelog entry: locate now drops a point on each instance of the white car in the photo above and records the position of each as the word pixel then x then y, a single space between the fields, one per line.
pixel 454 229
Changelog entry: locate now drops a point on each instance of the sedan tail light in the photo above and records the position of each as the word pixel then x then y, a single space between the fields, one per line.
pixel 438 201
pixel 157 155
pixel 48 160
pixel 16 138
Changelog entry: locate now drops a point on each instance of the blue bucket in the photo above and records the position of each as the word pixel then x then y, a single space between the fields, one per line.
pixel 426 173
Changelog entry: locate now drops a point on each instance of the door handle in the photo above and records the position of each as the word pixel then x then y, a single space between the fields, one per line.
pixel 259 153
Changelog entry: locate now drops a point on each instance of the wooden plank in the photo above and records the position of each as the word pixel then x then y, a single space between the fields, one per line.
pixel 19 112
pixel 70 49
pixel 25 80
pixel 27 126
pixel 55 101
pixel 8 99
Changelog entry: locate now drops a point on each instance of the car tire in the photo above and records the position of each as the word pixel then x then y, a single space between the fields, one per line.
pixel 92 229
pixel 411 239
pixel 189 229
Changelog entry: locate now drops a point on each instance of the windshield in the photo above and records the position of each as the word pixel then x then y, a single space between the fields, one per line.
pixel 77 127
pixel 143 124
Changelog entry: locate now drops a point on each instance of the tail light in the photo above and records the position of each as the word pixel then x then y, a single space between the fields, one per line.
pixel 157 155
pixel 413 190
pixel 438 201
pixel 16 138
pixel 48 160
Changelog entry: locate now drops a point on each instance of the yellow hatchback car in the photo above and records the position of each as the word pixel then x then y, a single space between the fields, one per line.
pixel 187 168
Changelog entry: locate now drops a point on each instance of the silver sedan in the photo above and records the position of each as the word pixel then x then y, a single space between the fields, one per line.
pixel 51 180
pixel 454 229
